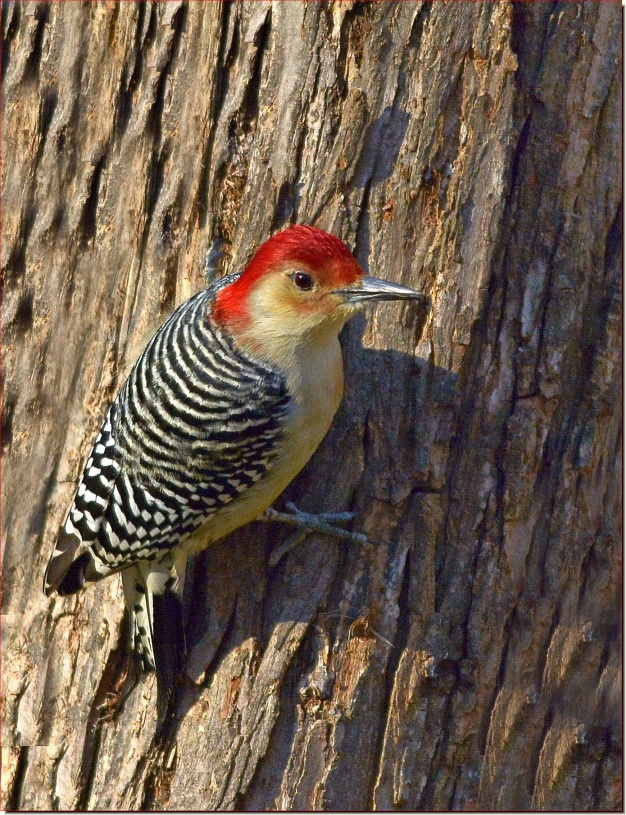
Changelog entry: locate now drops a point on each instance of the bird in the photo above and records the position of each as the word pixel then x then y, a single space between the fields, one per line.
pixel 224 407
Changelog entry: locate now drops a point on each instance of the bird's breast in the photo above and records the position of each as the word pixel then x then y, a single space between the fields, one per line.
pixel 315 383
pixel 316 387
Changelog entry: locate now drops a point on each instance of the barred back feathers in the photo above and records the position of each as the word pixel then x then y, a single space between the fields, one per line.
pixel 197 423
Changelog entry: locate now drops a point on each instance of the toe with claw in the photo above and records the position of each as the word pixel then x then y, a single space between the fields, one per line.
pixel 324 523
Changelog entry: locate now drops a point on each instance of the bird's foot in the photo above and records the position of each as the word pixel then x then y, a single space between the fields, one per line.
pixel 324 523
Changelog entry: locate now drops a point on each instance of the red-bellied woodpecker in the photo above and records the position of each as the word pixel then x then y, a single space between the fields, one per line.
pixel 224 407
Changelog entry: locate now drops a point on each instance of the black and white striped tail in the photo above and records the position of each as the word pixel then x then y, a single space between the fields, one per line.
pixel 153 593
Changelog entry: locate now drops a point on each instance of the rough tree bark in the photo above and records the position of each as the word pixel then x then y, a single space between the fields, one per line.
pixel 469 658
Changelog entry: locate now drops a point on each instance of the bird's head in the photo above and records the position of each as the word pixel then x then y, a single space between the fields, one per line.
pixel 301 284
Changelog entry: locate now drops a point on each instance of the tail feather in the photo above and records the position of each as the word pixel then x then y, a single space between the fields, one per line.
pixel 169 646
pixel 139 602
pixel 153 594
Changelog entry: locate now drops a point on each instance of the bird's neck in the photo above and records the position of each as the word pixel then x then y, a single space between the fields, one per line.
pixel 311 361
pixel 273 340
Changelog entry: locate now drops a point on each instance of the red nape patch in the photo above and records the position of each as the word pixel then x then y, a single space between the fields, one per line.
pixel 320 252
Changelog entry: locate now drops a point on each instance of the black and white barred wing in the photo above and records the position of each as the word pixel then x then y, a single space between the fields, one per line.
pixel 84 519
pixel 196 424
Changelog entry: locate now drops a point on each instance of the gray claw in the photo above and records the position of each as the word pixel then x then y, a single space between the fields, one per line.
pixel 309 524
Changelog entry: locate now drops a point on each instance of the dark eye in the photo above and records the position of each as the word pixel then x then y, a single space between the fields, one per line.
pixel 303 281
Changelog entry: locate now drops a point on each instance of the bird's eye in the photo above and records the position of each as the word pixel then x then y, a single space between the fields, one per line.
pixel 303 281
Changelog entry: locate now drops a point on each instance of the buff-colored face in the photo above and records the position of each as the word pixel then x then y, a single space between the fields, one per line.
pixel 291 306
pixel 298 297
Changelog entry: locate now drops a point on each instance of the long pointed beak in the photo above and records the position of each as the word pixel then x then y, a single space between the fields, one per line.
pixel 372 289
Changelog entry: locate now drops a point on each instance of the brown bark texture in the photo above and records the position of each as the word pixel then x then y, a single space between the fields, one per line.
pixel 468 657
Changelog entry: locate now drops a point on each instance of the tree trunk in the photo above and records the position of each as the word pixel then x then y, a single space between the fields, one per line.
pixel 469 656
